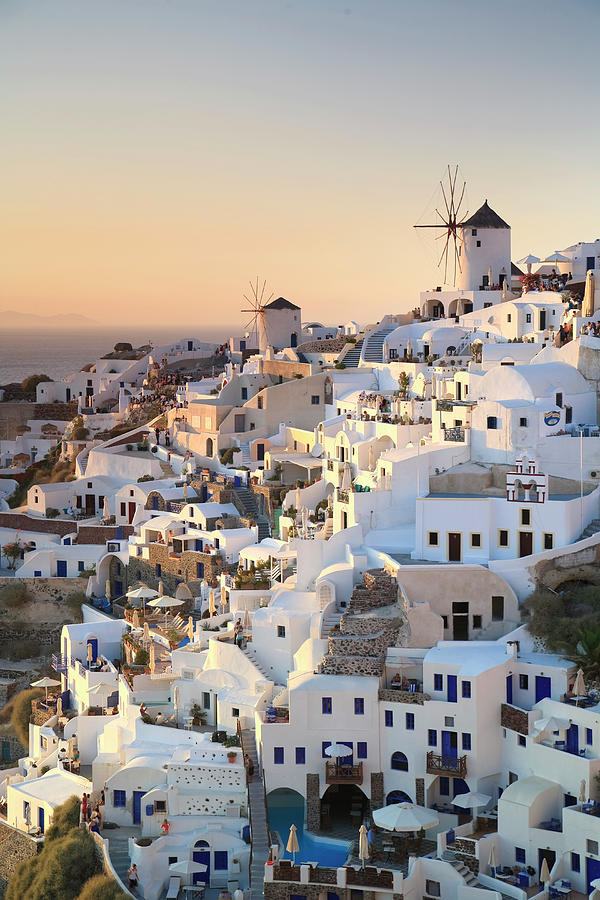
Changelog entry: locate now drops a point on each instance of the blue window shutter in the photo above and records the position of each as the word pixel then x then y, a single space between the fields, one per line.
pixel 361 749
pixel 221 859
pixel 389 718
pixel 300 756
pixel 278 756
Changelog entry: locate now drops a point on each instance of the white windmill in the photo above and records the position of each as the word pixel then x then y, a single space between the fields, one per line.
pixel 256 326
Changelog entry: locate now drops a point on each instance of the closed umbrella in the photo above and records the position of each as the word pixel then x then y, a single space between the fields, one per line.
pixel 582 791
pixel 152 657
pixel 371 456
pixel 409 349
pixel 298 499
pixel 363 844
pixel 587 308
pixel 136 619
pixel 544 872
pixel 90 653
pixel 405 817
pixel 146 632
pixel 579 686
pixel 224 600
pixel 347 478
pixel 490 276
pixel 161 588
pixel 185 490
pixel 46 683
pixel 212 606
pixel 492 861
pixel 292 844
pixel 190 628
pixel 105 508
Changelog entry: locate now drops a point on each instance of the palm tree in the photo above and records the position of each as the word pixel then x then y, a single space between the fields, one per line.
pixel 587 651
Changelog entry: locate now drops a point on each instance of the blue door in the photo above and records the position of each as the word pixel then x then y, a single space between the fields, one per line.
pixel 93 643
pixel 237 481
pixel 155 502
pixel 66 699
pixel 543 687
pixel 41 822
pixel 452 695
pixel 573 739
pixel 61 568
pixel 509 688
pixel 202 856
pixel 592 871
pixel 137 806
pixel 449 744
pixel 118 585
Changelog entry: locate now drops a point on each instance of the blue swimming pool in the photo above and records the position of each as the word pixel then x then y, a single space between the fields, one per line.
pixel 286 808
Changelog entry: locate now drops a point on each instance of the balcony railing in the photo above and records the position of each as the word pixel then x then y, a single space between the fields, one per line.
pixel 337 773
pixel 343 496
pixel 446 765
pixel 455 434
pixel 60 663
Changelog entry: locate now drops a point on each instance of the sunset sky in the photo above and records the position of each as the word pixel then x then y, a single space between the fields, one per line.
pixel 156 154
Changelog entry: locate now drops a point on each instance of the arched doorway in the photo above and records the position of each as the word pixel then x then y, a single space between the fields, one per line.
pixel 399 761
pixel 343 803
pixel 202 855
pixel 397 797
pixel 284 808
pixel 209 446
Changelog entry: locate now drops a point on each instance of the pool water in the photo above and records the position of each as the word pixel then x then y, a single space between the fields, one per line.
pixel 287 808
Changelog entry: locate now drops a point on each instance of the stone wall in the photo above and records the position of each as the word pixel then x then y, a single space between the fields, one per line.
pixel 420 791
pixel 377 790
pixel 352 665
pixel 14 848
pixel 313 803
pixel 394 696
pixel 514 718
pixel 31 523
pixel 99 534
pixel 57 412
pixel 185 565
pixel 140 570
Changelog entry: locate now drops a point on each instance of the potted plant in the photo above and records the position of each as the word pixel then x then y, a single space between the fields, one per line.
pixel 232 756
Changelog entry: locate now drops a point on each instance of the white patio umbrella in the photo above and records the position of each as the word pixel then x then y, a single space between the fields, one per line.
pixel 143 592
pixel 528 261
pixel 45 683
pixel 544 872
pixel 102 689
pixel 405 817
pixel 187 867
pixel 152 657
pixel 556 257
pixel 595 883
pixel 471 800
pixel 492 861
pixel 595 895
pixel 338 751
pixel 292 844
pixel 165 602
pixel 363 844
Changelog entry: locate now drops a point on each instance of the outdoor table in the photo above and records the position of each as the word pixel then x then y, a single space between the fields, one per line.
pixel 561 888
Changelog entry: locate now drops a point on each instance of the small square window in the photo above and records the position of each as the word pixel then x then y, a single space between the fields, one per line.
pixel 528 318
pixel 559 399
pixel 432 737
pixel 466 689
pixel 80 565
pixel 359 706
pixel 410 721
pixel 281 631
pixel 315 399
pixel 524 682
pixel 592 847
pixel 119 798
pixel 477 622
pixel 473 232
pixel 235 713
pixel 433 888
pixel 492 423
pixel 522 740
pixel 300 756
pixel 519 854
pixel 525 517
pixel 432 538
pixel 326 706
pixel 466 741
pixel 172 860
pixel 523 422
pixel 475 539
pixel 278 756
pixel 160 806
pixel 502 537
pixel 478 243
pixel 449 721
pixel 438 682
pixel 389 718
pixel 259 402
pixel 548 541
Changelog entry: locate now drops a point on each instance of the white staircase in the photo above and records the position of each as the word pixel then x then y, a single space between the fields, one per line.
pixel 246 458
pixel 372 350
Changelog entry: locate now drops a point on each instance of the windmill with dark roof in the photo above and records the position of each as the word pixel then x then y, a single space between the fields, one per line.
pixel 276 323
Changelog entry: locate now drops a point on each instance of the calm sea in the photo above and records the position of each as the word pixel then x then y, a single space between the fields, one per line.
pixel 59 353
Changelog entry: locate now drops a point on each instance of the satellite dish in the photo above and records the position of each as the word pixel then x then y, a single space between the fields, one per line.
pixel 317 451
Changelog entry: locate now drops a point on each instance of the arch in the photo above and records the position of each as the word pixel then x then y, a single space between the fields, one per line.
pixel 399 761
pixel 397 797
pixel 460 786
pixel 209 447
pixel 201 844
pixel 519 490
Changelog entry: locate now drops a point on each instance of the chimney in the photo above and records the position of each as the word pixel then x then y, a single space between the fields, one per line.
pixel 512 648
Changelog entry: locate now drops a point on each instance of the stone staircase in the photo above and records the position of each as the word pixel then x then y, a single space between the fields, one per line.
pixel 250 653
pixel 592 528
pixel 373 349
pixel 331 620
pixel 166 469
pixel 246 458
pixel 258 818
pixel 352 357
pixel 248 507
pixel 118 848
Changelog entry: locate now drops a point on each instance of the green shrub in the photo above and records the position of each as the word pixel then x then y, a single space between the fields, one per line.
pixel 141 657
pixel 129 447
pixel 66 816
pixel 18 710
pixel 75 602
pixel 143 478
pixel 102 887
pixel 13 596
pixel 340 365
pixel 59 872
pixel 52 513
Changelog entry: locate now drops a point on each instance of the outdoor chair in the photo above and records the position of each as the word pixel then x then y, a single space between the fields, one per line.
pixel 173 889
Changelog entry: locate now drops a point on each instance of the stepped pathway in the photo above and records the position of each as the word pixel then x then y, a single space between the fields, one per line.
pixel 352 357
pixel 166 469
pixel 330 621
pixel 592 528
pixel 250 654
pixel 373 349
pixel 247 501
pixel 118 848
pixel 258 818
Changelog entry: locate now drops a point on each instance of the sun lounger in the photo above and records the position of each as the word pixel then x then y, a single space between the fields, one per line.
pixel 173 890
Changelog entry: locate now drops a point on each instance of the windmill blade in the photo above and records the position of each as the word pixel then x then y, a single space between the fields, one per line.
pixel 461 197
pixel 446 202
